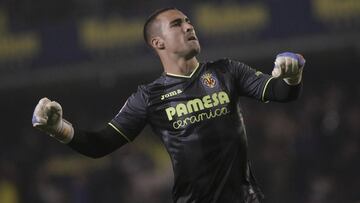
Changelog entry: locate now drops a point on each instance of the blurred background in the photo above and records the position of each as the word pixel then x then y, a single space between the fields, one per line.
pixel 89 56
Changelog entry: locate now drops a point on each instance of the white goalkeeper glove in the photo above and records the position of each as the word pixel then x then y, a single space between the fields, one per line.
pixel 47 117
pixel 289 66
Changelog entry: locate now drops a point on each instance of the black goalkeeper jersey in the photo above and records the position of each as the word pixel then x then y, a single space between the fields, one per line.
pixel 199 121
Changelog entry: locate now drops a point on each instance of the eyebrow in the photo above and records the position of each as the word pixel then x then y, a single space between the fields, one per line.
pixel 178 20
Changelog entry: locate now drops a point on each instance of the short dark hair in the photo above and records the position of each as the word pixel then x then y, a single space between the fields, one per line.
pixel 150 20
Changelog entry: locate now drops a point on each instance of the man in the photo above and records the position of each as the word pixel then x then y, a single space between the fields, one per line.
pixel 194 108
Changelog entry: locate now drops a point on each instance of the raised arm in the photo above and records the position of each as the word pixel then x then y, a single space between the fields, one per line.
pixel 97 144
pixel 123 128
pixel 48 118
pixel 286 83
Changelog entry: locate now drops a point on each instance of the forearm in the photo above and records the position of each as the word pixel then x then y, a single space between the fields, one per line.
pixel 96 144
pixel 278 90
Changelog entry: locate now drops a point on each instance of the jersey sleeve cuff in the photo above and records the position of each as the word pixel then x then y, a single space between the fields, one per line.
pixel 265 87
pixel 119 131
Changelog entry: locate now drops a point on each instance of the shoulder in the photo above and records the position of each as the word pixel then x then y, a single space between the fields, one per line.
pixel 146 90
pixel 157 83
pixel 224 64
pixel 218 62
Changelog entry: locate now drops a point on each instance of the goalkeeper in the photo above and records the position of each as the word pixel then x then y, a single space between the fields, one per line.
pixel 194 108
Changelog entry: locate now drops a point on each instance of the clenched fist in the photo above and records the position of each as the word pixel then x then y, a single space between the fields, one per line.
pixel 47 117
pixel 289 66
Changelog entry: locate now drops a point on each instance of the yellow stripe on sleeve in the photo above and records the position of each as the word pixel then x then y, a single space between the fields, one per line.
pixel 122 134
pixel 263 93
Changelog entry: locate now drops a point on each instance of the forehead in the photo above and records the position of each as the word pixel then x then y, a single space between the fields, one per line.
pixel 170 15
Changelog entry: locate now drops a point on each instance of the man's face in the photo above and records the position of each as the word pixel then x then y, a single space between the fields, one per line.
pixel 178 34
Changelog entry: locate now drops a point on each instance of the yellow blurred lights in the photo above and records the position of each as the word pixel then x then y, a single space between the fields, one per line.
pixel 219 19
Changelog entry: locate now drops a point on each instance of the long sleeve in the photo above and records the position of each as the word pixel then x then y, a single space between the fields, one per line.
pixel 278 90
pixel 97 144
pixel 123 128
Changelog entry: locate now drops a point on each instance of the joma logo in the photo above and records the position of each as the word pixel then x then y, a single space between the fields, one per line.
pixel 171 94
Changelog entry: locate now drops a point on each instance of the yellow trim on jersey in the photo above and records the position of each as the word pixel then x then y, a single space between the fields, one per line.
pixel 122 134
pixel 185 76
pixel 263 94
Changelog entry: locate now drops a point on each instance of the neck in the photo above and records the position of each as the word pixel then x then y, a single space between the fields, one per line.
pixel 180 66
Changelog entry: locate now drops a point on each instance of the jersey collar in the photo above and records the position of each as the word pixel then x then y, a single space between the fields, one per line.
pixel 184 76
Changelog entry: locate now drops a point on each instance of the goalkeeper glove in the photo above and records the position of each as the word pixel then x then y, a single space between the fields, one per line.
pixel 47 117
pixel 289 66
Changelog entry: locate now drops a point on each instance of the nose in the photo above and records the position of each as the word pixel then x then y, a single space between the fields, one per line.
pixel 188 27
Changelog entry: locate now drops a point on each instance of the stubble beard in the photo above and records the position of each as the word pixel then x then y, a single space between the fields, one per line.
pixel 193 52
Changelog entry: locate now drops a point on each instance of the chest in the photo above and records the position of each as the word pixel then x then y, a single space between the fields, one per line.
pixel 180 105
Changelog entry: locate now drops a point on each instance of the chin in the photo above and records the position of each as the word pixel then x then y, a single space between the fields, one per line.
pixel 193 52
pixel 198 49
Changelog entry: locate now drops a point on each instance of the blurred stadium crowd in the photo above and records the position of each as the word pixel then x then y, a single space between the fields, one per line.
pixel 88 55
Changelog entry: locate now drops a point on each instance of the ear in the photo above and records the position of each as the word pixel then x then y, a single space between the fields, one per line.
pixel 157 43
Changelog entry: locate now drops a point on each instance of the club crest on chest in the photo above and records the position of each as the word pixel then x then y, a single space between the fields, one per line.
pixel 208 80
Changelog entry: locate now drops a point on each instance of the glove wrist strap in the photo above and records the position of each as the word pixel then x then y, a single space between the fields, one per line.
pixel 64 132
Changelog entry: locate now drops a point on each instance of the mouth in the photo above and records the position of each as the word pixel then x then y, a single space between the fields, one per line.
pixel 191 38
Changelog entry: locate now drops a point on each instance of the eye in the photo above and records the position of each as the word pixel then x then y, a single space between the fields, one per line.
pixel 177 24
pixel 188 21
